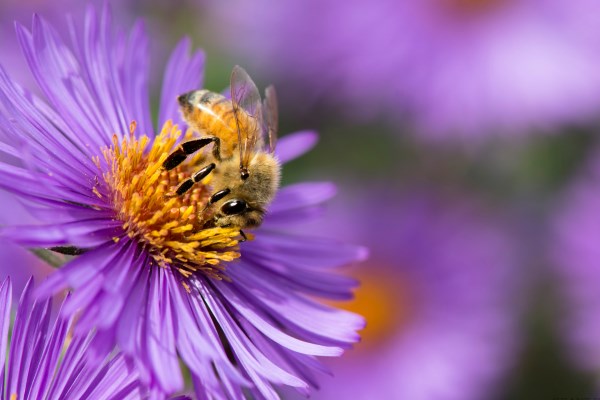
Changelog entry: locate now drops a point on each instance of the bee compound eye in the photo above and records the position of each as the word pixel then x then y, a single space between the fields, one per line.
pixel 233 207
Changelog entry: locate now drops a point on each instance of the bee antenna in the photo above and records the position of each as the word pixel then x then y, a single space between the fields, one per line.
pixel 244 174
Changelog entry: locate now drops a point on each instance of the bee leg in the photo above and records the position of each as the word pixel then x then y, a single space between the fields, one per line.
pixel 217 149
pixel 196 177
pixel 68 250
pixel 244 237
pixel 187 148
pixel 218 195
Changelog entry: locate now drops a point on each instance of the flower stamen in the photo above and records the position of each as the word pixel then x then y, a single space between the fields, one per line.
pixel 175 230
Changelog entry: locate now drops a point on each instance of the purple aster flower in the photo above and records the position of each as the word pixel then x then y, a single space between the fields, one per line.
pixel 438 294
pixel 43 361
pixel 243 318
pixel 576 255
pixel 453 67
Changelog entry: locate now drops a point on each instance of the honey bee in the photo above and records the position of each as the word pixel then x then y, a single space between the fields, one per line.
pixel 245 172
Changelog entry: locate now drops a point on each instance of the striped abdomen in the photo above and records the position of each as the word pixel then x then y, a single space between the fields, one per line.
pixel 212 114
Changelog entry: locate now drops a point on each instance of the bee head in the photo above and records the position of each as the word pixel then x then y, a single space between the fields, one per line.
pixel 237 212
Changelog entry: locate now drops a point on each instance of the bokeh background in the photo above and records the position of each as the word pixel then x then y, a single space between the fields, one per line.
pixel 462 136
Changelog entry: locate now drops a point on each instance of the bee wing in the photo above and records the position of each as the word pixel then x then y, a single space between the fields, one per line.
pixel 271 115
pixel 246 101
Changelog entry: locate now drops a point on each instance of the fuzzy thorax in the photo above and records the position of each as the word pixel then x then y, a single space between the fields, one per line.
pixel 170 228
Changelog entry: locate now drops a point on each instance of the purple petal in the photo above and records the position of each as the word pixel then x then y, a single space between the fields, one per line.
pixel 59 75
pixel 295 144
pixel 130 320
pixel 322 323
pixel 50 358
pixel 298 203
pixel 134 66
pixel 31 120
pixel 104 300
pixel 44 189
pixel 80 272
pixel 303 252
pixel 301 195
pixel 113 380
pixel 183 74
pixel 315 282
pixel 28 338
pixel 72 366
pixel 247 354
pixel 98 71
pixel 259 319
pixel 199 342
pixel 161 336
pixel 82 233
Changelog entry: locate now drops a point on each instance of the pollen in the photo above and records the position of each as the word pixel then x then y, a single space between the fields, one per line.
pixel 174 230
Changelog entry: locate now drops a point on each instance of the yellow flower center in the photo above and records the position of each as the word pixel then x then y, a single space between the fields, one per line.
pixel 175 230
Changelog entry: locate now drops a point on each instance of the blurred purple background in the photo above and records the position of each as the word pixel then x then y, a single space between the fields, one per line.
pixel 463 136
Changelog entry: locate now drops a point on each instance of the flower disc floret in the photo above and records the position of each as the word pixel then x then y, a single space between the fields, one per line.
pixel 171 228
